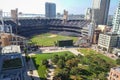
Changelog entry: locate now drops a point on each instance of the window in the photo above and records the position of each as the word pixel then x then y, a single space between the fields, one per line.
pixel 117 76
pixel 0 43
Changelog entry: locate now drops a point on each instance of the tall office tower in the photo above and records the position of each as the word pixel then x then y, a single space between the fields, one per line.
pixel 88 14
pixel 100 11
pixel 50 10
pixel 116 21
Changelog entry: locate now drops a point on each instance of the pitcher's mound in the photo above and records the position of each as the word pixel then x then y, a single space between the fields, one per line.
pixel 51 36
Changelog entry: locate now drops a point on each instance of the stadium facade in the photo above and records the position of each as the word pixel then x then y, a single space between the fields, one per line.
pixel 29 27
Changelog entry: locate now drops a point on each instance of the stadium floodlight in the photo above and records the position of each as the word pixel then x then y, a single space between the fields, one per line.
pixel 14 15
pixel 1 14
pixel 1 19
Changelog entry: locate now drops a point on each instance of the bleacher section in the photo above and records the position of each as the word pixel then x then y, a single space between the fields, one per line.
pixel 29 27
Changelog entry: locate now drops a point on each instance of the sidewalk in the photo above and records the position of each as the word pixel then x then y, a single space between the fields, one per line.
pixel 74 51
pixel 31 66
pixel 51 69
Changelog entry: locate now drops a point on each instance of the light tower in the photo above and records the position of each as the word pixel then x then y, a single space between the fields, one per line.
pixel 3 27
pixel 14 15
pixel 2 22
pixel 65 16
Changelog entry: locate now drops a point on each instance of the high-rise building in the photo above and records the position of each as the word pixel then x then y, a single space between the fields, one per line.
pixel 116 21
pixel 108 41
pixel 100 11
pixel 88 14
pixel 50 10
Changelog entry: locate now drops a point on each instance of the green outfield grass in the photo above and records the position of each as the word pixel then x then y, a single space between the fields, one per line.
pixel 49 39
pixel 38 61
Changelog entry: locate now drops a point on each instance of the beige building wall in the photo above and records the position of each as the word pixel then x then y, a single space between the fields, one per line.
pixel 114 74
pixel 107 41
pixel 96 36
pixel 8 39
pixel 5 39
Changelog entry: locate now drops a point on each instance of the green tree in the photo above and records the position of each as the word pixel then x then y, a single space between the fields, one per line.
pixel 101 76
pixel 118 61
pixel 61 63
pixel 45 62
pixel 57 78
pixel 76 77
pixel 62 57
pixel 72 63
pixel 63 74
pixel 66 54
pixel 80 56
pixel 75 71
pixel 69 57
pixel 92 77
pixel 85 61
pixel 55 59
pixel 25 51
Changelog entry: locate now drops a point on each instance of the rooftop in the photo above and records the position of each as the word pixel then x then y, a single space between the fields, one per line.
pixel 12 67
pixel 11 49
pixel 111 34
pixel 117 69
pixel 12 64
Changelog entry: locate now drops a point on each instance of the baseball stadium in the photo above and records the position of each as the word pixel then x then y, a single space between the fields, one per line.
pixel 44 32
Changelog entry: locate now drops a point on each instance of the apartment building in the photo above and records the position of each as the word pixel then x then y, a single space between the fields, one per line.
pixel 107 41
pixel 114 73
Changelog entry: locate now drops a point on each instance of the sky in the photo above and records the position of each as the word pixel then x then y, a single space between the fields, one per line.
pixel 38 6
